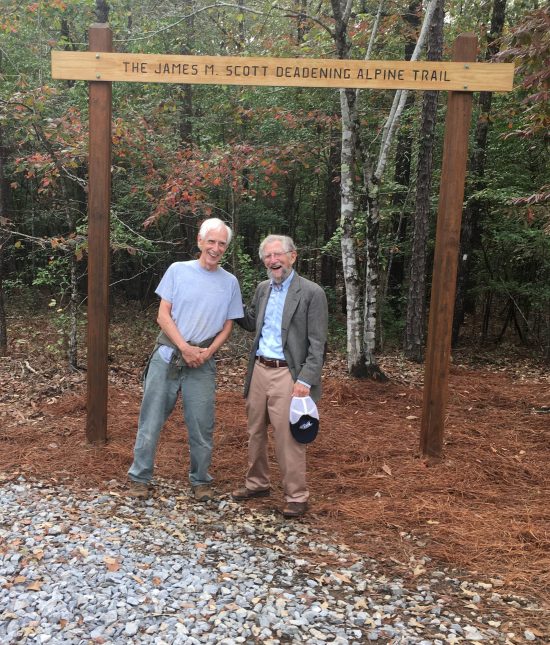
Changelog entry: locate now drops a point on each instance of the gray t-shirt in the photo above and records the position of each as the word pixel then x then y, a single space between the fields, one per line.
pixel 201 300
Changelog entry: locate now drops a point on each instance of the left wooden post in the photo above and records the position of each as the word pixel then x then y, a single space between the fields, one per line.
pixel 99 204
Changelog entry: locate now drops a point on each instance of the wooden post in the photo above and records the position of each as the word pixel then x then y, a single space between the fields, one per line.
pixel 447 246
pixel 99 204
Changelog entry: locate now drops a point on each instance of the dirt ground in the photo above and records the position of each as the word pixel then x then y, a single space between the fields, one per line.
pixel 484 509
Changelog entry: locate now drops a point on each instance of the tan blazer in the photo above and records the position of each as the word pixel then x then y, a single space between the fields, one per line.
pixel 303 330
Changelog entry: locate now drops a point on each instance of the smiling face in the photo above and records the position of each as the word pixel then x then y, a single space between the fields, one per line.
pixel 278 262
pixel 212 247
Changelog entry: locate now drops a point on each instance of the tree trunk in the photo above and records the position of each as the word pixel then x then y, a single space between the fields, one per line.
pixel 73 315
pixel 67 188
pixel 301 25
pixel 474 211
pixel 185 91
pixel 355 358
pixel 372 280
pixel 414 336
pixel 400 216
pixel 403 155
pixel 328 262
pixel 186 113
pixel 102 11
pixel 4 237
pixel 371 178
pixel 347 220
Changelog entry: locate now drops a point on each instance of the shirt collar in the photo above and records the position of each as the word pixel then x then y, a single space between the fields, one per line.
pixel 284 285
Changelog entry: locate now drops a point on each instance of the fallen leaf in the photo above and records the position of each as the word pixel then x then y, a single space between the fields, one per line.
pixel 341 577
pixel 414 623
pixel 536 632
pixel 112 563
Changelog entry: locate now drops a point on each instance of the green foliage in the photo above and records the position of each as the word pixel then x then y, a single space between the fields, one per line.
pixel 528 45
pixel 263 159
pixel 62 320
pixel 514 264
pixel 393 325
pixel 246 272
pixel 55 276
pixel 336 322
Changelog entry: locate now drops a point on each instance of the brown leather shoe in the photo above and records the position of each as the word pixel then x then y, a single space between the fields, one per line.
pixel 137 490
pixel 203 492
pixel 295 509
pixel 247 493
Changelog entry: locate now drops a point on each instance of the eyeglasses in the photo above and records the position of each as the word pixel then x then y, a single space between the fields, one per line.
pixel 276 256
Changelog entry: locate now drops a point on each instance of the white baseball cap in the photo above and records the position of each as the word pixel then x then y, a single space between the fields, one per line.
pixel 304 419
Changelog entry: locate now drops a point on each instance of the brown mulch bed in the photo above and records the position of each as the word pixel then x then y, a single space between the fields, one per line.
pixel 484 509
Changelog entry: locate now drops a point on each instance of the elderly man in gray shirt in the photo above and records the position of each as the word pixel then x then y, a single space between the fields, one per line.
pixel 199 301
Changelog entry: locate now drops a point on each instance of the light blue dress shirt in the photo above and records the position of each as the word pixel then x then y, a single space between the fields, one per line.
pixel 271 345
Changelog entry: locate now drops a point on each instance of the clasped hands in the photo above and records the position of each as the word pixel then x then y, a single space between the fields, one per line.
pixel 196 356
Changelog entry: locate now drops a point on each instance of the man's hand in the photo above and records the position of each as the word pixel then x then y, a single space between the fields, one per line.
pixel 206 353
pixel 192 356
pixel 300 390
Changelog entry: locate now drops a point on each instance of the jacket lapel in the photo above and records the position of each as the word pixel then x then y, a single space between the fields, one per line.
pixel 291 302
pixel 262 304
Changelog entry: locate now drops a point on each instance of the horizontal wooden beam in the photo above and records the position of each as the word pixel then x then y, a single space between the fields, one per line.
pixel 300 72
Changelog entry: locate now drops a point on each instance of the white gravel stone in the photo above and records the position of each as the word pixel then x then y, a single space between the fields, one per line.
pixel 169 571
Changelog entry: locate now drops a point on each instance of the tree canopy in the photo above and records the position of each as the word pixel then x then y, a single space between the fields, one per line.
pixel 266 159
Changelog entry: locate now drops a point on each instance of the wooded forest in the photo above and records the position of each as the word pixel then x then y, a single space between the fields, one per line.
pixel 351 175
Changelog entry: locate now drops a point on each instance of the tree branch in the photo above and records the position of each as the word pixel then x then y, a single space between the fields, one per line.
pixel 401 96
pixel 374 30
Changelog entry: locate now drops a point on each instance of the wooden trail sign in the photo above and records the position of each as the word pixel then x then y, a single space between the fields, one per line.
pixel 296 72
pixel 461 77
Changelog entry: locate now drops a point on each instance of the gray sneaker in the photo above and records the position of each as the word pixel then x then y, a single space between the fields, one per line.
pixel 138 490
pixel 203 492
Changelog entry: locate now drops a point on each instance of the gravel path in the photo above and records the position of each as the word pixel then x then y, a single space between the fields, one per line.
pixel 93 567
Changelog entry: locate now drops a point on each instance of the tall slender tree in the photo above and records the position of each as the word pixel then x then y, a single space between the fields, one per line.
pixel 4 237
pixel 402 174
pixel 414 335
pixel 473 213
pixel 102 10
pixel 361 332
pixel 341 11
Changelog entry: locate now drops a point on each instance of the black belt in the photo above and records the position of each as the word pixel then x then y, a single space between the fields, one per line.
pixel 271 362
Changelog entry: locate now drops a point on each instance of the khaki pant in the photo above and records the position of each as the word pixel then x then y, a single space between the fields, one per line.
pixel 268 401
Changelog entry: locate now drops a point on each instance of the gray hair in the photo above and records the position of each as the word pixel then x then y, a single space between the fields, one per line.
pixel 287 242
pixel 213 224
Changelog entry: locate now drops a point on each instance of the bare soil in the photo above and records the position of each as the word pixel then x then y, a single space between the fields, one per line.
pixel 484 509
